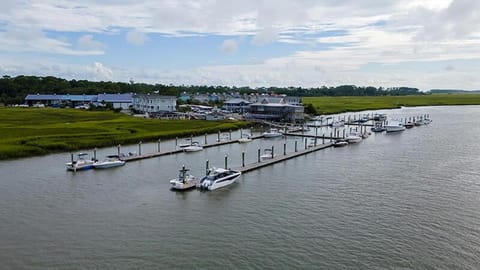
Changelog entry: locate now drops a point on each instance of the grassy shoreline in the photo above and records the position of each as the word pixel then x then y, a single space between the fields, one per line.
pixel 31 132
pixel 332 105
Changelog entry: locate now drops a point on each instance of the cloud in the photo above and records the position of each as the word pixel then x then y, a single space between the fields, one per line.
pixel 449 68
pixel 229 46
pixel 136 37
pixel 265 36
pixel 87 43
pixel 102 72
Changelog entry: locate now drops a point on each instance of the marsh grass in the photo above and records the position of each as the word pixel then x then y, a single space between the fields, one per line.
pixel 38 131
pixel 330 105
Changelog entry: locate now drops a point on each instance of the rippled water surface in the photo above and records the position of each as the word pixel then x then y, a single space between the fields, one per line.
pixel 399 201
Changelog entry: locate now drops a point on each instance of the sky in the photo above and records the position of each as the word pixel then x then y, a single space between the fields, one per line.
pixel 427 44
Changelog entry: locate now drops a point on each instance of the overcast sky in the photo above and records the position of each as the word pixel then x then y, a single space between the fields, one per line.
pixel 418 43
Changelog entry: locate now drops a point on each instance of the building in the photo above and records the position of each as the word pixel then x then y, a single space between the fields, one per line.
pixel 122 101
pixel 59 100
pixel 153 103
pixel 238 105
pixel 274 109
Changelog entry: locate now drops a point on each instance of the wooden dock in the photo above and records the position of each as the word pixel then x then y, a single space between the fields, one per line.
pixel 280 158
pixel 176 151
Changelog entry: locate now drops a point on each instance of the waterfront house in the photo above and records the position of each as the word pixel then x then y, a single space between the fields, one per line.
pixel 238 105
pixel 153 103
pixel 275 109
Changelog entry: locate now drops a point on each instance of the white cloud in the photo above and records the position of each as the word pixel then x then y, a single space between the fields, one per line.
pixel 87 43
pixel 265 36
pixel 102 72
pixel 229 46
pixel 136 37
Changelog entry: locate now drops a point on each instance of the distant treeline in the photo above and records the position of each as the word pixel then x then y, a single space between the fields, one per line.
pixel 14 89
pixel 448 91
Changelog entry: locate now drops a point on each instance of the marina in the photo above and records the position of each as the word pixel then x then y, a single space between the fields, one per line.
pixel 390 201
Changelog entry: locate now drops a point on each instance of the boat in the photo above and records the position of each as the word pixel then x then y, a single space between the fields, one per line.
pixel 185 144
pixel 225 137
pixel 409 124
pixel 311 143
pixel 245 138
pixel 419 122
pixel 378 127
pixel 427 121
pixel 340 143
pixel 379 117
pixel 353 138
pixel 267 154
pixel 184 180
pixel 272 133
pixel 109 162
pixel 194 147
pixel 80 164
pixel 394 126
pixel 217 178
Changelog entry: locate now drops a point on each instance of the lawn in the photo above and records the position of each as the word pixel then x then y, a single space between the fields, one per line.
pixel 330 105
pixel 38 131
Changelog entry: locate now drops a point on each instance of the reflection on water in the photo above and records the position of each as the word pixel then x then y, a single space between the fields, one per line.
pixel 399 201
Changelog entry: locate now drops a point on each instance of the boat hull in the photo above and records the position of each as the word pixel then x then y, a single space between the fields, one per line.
pixel 225 183
pixel 106 165
pixel 395 129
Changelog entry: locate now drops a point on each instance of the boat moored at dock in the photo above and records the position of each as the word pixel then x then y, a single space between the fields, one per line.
pixel 394 126
pixel 218 178
pixel 110 161
pixel 80 164
pixel 184 181
pixel 272 133
pixel 194 147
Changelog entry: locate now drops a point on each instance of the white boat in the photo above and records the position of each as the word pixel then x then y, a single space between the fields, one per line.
pixel 340 143
pixel 245 138
pixel 311 143
pixel 80 164
pixel 427 121
pixel 394 126
pixel 419 122
pixel 184 180
pixel 218 177
pixel 194 147
pixel 109 162
pixel 272 133
pixel 353 138
pixel 409 124
pixel 267 154
pixel 186 143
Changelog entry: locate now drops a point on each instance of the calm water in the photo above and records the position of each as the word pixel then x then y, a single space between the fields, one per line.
pixel 399 201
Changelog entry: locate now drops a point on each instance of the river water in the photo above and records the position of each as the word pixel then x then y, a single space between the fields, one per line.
pixel 393 201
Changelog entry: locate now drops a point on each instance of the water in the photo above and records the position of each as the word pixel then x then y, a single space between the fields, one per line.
pixel 398 201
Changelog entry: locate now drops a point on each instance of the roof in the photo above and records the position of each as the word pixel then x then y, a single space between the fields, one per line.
pixel 237 101
pixel 43 97
pixel 86 98
pixel 153 96
pixel 115 98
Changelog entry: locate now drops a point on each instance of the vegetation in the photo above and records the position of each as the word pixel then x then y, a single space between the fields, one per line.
pixel 329 105
pixel 28 131
pixel 13 90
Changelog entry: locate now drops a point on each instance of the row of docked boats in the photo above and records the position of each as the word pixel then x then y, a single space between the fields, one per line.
pixel 82 163
pixel 216 178
pixel 396 126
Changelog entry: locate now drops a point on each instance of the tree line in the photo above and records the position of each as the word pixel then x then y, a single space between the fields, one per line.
pixel 13 90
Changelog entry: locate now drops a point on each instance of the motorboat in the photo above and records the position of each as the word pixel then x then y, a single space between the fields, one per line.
pixel 218 177
pixel 245 138
pixel 409 124
pixel 185 143
pixel 379 117
pixel 419 122
pixel 267 154
pixel 224 137
pixel 184 180
pixel 353 138
pixel 340 143
pixel 194 147
pixel 81 163
pixel 394 126
pixel 109 162
pixel 378 127
pixel 272 133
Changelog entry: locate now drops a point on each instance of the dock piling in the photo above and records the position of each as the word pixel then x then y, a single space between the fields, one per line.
pixel 284 149
pixel 118 150
pixel 205 139
pixel 272 151
pixel 207 167
pixel 176 141
pixel 258 155
pixel 95 153
pixel 226 161
pixel 140 148
pixel 71 157
pixel 243 158
pixel 158 145
pixel 296 145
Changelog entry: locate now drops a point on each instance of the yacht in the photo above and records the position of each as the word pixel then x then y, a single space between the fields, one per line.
pixel 272 133
pixel 194 147
pixel 340 143
pixel 394 126
pixel 217 178
pixel 109 162
pixel 184 180
pixel 80 164
pixel 353 138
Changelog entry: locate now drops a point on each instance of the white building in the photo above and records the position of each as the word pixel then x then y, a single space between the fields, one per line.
pixel 153 103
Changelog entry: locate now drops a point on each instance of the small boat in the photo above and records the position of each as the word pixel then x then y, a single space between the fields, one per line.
pixel 340 143
pixel 427 121
pixel 267 154
pixel 80 164
pixel 245 138
pixel 109 162
pixel 409 124
pixel 185 144
pixel 272 133
pixel 419 122
pixel 378 127
pixel 184 181
pixel 394 126
pixel 353 138
pixel 224 137
pixel 194 147
pixel 379 117
pixel 217 178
